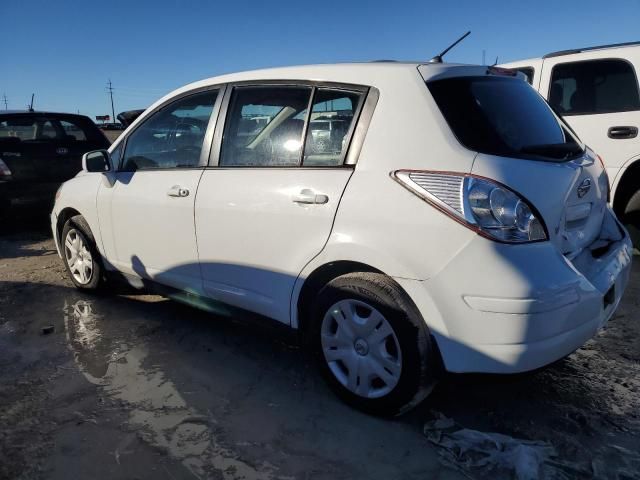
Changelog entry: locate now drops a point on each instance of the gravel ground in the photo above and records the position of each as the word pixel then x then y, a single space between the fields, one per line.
pixel 138 386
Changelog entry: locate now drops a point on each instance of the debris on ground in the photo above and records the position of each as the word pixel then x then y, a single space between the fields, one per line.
pixel 47 329
pixel 492 454
pixel 498 456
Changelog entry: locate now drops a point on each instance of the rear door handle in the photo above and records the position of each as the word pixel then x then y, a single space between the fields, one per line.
pixel 308 196
pixel 178 191
pixel 623 132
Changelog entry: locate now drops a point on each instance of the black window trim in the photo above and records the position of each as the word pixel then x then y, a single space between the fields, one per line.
pixel 213 136
pixel 206 142
pixel 361 119
pixel 591 60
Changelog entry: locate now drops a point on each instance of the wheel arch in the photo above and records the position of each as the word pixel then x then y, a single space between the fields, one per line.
pixel 317 279
pixel 64 215
pixel 626 186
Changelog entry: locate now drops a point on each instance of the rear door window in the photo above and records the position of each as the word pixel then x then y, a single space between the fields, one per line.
pixel 265 126
pixel 594 86
pixel 332 119
pixel 270 126
pixel 502 116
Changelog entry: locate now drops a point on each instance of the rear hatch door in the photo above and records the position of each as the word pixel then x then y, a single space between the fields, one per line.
pixel 523 144
pixel 570 196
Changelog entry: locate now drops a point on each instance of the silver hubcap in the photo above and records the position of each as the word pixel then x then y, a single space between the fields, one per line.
pixel 361 348
pixel 78 257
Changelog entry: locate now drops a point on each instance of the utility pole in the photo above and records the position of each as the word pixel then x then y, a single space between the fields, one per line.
pixel 113 111
pixel 6 104
pixel 483 57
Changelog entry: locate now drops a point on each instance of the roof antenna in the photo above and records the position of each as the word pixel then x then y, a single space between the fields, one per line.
pixel 31 105
pixel 496 62
pixel 438 58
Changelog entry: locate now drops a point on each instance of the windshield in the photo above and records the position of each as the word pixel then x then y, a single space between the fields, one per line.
pixel 503 116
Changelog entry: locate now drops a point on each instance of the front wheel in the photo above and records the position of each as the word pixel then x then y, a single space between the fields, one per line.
pixel 80 255
pixel 372 345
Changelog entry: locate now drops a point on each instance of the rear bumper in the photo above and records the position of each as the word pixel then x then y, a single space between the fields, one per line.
pixel 513 308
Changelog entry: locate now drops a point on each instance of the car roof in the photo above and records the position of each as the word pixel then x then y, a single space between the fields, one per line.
pixel 383 75
pixel 587 49
pixel 573 51
pixel 366 73
pixel 329 72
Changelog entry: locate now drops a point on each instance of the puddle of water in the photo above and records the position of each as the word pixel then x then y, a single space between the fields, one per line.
pixel 157 410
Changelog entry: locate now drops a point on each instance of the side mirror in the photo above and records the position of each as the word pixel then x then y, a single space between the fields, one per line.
pixel 96 161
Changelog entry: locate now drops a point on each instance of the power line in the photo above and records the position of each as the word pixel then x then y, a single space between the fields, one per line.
pixel 113 110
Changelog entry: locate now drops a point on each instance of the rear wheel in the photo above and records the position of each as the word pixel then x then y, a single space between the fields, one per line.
pixel 372 345
pixel 80 255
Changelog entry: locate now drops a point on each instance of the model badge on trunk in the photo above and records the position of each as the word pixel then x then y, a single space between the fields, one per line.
pixel 62 151
pixel 584 187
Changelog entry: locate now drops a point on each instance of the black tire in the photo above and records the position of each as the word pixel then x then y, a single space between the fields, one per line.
pixel 80 226
pixel 631 219
pixel 420 366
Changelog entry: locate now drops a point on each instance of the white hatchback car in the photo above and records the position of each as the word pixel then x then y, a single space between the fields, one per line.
pixel 459 224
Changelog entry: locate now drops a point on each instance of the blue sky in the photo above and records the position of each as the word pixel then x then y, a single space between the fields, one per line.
pixel 66 50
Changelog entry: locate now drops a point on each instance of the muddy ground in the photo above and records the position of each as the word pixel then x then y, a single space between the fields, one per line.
pixel 136 386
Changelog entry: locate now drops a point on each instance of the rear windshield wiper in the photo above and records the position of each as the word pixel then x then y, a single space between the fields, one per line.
pixel 555 150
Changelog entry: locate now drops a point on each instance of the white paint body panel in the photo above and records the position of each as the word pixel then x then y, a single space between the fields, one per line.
pixel 617 154
pixel 254 239
pixel 153 234
pixel 240 238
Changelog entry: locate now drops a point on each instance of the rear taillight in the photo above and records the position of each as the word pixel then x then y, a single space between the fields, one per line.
pixel 4 170
pixel 481 204
pixel 606 175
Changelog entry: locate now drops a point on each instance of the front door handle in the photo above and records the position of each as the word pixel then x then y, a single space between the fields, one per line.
pixel 623 132
pixel 178 191
pixel 308 196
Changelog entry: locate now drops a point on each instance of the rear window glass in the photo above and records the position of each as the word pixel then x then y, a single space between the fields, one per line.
pixel 38 128
pixel 73 130
pixel 502 116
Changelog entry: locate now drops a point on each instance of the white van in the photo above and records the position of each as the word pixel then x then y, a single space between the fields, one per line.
pixel 457 224
pixel 595 89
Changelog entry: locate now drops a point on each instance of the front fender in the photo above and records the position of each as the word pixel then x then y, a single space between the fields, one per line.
pixel 78 197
